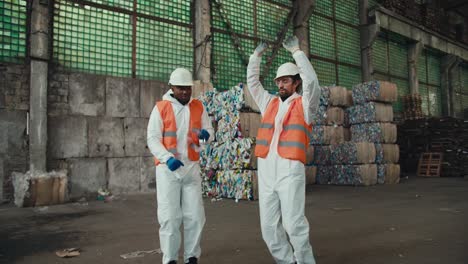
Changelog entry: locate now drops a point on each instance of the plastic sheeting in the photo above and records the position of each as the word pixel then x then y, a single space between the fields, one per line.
pixel 374 132
pixel 370 112
pixel 375 91
pixel 335 96
pixel 329 116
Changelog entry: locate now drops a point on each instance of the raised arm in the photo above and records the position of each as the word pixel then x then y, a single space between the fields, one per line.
pixel 310 84
pixel 259 94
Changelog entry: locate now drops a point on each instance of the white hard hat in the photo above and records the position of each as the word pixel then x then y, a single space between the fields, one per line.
pixel 287 69
pixel 181 77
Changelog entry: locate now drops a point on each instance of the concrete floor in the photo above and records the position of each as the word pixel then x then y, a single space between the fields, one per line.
pixel 418 221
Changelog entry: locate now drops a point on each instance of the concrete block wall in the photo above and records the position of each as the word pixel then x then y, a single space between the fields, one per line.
pixel 14 104
pixel 97 131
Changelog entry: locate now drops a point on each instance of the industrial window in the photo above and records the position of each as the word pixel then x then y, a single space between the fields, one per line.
pixel 460 99
pixel 389 58
pixel 429 82
pixel 335 42
pixel 251 21
pixel 13 31
pixel 123 38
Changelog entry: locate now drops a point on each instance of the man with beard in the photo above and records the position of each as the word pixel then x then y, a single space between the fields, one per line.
pixel 281 146
pixel 176 127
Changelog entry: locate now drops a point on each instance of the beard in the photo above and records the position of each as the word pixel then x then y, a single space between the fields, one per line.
pixel 285 95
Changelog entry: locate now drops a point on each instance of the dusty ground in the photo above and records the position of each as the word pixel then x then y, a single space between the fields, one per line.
pixel 417 221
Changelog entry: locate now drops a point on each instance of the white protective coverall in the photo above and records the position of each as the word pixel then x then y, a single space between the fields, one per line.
pixel 179 196
pixel 282 181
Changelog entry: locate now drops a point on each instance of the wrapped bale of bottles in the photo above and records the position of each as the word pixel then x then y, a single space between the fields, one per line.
pixel 228 163
pixel 371 121
pixel 357 175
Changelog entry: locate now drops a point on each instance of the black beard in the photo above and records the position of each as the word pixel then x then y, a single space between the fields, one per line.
pixel 285 97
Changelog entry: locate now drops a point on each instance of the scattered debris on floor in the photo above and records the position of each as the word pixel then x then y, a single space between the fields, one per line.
pixel 140 253
pixel 68 252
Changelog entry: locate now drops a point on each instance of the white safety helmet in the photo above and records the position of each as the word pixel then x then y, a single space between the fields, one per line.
pixel 287 69
pixel 181 77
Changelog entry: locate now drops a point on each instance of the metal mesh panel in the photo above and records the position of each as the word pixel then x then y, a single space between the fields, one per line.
pixel 321 37
pixel 424 102
pixel 434 101
pixel 270 20
pixel 398 57
pixel 422 68
pixel 379 55
pixel 177 10
pixel 161 48
pixel 12 31
pixel 283 2
pixel 324 7
pixel 325 72
pixel 433 69
pixel 349 76
pixel 239 13
pixel 92 40
pixel 403 89
pixel 125 4
pixel 347 11
pixel 347 39
pixel 373 3
pixel 229 70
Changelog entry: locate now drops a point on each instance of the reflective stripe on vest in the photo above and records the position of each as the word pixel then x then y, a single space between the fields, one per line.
pixel 294 137
pixel 169 139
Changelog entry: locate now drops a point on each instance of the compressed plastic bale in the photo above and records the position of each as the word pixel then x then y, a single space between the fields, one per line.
pixel 387 153
pixel 323 175
pixel 249 102
pixel 236 184
pixel 381 91
pixel 249 123
pixel 370 112
pixel 348 98
pixel 325 135
pixel 346 134
pixel 329 115
pixel 227 155
pixel 388 173
pixel 357 175
pixel 352 153
pixel 311 174
pixel 310 155
pixel 322 155
pixel 374 132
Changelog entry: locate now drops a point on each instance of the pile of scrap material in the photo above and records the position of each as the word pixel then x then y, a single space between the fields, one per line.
pixel 447 135
pixel 366 154
pixel 228 168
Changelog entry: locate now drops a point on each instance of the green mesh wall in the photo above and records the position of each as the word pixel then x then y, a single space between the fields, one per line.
pixel 373 3
pixel 433 69
pixel 434 101
pixel 464 103
pixel 175 10
pixel 422 68
pixel 12 31
pixel 162 47
pixel 100 40
pixel 423 91
pixel 347 11
pixel 125 4
pixel 381 77
pixel 398 58
pixel 464 79
pixel 324 7
pixel 348 44
pixel 92 40
pixel 321 37
pixel 403 89
pixel 325 72
pixel 227 61
pixel 379 55
pixel 228 70
pixel 349 76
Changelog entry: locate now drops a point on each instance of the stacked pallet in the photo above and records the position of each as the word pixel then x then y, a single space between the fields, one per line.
pixel 412 107
pixel 227 163
pixel 371 121
pixel 448 136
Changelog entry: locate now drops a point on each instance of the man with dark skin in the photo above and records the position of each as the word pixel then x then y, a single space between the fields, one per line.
pixel 176 126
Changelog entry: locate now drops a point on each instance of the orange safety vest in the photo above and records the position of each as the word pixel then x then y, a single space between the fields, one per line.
pixel 169 139
pixel 294 137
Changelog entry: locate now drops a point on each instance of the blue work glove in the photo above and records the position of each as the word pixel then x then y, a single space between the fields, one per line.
pixel 204 135
pixel 173 163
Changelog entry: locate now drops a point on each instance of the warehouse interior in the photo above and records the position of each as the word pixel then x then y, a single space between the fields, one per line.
pixel 79 79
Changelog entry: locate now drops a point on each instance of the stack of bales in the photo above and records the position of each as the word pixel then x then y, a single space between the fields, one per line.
pixel 328 131
pixel 227 163
pixel 371 121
